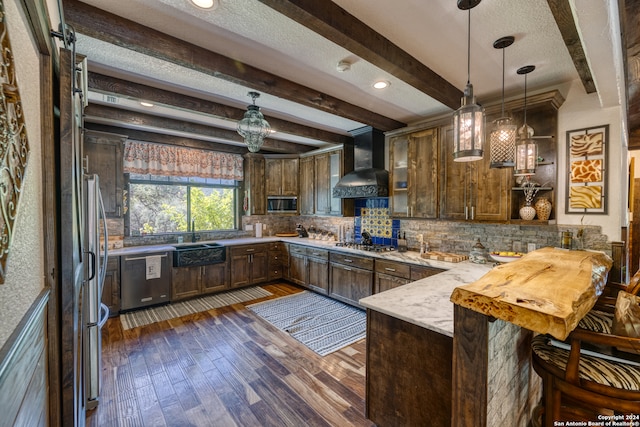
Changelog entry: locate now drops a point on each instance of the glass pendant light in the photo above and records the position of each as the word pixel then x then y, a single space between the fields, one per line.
pixel 502 142
pixel 253 127
pixel 468 120
pixel 526 147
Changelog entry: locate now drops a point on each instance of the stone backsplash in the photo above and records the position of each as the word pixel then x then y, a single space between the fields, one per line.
pixel 447 236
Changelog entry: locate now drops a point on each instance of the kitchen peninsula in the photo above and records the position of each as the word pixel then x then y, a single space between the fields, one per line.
pixel 432 363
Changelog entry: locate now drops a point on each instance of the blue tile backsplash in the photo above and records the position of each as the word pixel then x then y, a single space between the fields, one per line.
pixel 372 215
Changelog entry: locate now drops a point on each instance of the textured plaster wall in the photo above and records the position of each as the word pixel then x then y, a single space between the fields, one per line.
pixel 25 265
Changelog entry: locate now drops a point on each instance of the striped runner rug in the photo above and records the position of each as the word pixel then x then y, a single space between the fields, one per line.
pixel 322 324
pixel 150 315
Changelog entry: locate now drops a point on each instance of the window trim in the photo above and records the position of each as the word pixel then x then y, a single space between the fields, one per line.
pixel 188 184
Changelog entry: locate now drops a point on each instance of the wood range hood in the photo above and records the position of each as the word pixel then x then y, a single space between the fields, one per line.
pixel 369 178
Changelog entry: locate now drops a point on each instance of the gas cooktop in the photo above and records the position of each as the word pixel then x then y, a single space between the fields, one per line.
pixel 368 248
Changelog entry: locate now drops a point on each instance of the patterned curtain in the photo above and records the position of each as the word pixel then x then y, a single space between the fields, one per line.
pixel 159 159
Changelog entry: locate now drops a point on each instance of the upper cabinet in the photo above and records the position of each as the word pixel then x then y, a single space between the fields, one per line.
pixel 281 176
pixel 414 174
pixel 472 190
pixel 103 154
pixel 320 171
pixel 254 184
pixel 306 200
pixel 426 182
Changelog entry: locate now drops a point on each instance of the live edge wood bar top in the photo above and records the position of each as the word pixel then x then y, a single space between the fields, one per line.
pixel 546 291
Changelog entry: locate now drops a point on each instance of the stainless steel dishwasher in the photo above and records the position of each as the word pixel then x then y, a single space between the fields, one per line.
pixel 145 280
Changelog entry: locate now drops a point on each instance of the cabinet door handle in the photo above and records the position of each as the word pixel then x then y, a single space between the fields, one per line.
pixel 250 250
pixel 347 260
pixel 347 268
pixel 389 269
pixel 466 212
pixel 473 212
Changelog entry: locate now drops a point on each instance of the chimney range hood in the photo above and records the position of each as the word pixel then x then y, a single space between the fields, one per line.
pixel 369 178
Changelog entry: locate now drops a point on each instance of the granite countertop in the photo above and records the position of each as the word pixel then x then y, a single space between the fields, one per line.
pixel 425 303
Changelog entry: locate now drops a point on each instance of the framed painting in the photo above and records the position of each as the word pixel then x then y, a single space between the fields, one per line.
pixel 587 170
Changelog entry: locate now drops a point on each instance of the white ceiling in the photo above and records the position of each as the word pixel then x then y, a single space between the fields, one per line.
pixel 433 31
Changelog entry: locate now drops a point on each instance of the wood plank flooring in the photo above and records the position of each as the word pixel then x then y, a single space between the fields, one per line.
pixel 226 367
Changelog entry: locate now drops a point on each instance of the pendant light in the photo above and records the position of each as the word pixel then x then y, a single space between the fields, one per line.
pixel 253 127
pixel 526 147
pixel 502 142
pixel 468 120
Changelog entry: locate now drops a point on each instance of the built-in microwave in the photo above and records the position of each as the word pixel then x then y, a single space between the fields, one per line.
pixel 282 204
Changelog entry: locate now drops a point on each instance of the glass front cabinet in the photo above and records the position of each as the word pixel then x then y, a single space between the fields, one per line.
pixel 414 174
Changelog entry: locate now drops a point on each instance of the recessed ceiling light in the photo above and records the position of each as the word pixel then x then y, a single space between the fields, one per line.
pixel 381 84
pixel 146 104
pixel 204 4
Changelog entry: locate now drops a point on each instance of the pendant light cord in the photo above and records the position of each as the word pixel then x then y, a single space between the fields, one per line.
pixel 469 49
pixel 502 115
pixel 525 99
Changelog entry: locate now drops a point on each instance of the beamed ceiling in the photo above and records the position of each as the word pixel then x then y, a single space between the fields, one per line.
pixel 196 66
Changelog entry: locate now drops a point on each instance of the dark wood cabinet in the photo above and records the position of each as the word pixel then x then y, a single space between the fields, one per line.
pixel 409 373
pixel 281 176
pixel 254 184
pixel 298 264
pixel 104 157
pixel 276 261
pixel 472 190
pixel 185 282
pixel 189 282
pixel 323 187
pixel 351 277
pixel 390 274
pixel 320 171
pixel 111 289
pixel 249 265
pixel 309 267
pixel 318 270
pixel 414 175
pixel 306 200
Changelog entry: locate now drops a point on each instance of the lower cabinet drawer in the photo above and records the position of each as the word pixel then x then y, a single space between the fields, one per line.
pixel 393 268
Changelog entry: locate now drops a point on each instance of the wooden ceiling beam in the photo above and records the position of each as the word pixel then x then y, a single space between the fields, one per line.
pixel 563 16
pixel 163 138
pixel 102 114
pixel 101 25
pixel 339 26
pixel 112 85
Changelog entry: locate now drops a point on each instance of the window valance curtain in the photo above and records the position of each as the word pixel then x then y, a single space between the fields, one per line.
pixel 159 159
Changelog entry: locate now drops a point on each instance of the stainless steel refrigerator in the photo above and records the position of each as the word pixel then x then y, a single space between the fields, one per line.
pixel 94 313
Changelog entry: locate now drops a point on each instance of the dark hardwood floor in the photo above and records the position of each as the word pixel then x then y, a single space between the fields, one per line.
pixel 226 367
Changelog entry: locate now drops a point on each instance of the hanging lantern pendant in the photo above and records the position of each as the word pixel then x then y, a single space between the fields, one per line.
pixel 253 127
pixel 526 147
pixel 502 141
pixel 469 119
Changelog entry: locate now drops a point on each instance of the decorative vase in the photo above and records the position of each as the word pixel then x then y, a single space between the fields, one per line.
pixel 543 208
pixel 527 212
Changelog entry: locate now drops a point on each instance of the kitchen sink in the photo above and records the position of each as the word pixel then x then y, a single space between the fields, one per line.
pixel 199 254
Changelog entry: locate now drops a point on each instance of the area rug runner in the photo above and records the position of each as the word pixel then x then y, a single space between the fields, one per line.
pixel 322 324
pixel 147 316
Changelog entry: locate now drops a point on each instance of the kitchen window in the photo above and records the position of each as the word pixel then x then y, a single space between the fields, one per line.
pixel 173 204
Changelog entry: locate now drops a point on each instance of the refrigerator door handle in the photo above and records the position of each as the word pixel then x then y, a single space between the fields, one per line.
pixel 92 264
pixel 103 273
pixel 104 310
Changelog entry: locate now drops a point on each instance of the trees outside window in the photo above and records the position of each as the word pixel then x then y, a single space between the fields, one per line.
pixel 177 204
